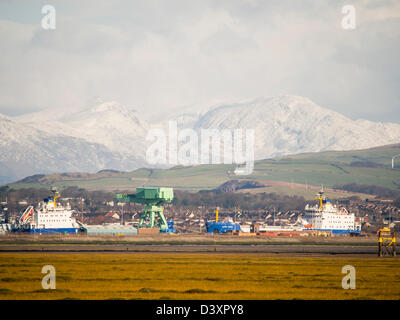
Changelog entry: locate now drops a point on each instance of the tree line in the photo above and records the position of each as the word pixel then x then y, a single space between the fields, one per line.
pixel 244 201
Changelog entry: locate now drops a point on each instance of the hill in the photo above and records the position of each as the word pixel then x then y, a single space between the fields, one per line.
pixel 290 175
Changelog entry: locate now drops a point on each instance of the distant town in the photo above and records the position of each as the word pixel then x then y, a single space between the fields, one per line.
pixel 190 210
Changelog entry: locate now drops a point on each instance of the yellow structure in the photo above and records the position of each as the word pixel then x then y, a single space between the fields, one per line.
pixel 55 200
pixel 321 198
pixel 386 243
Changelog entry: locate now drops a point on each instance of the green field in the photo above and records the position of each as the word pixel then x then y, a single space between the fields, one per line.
pixel 316 169
pixel 195 276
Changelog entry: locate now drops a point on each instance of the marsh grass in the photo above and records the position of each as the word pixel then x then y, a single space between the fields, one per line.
pixel 195 276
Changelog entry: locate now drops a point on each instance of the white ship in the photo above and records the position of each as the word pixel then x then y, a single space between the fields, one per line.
pixel 326 216
pixel 48 217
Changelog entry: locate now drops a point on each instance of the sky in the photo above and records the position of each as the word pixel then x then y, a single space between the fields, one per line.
pixel 155 56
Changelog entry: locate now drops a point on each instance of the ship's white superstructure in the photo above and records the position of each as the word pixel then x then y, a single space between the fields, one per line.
pixel 49 217
pixel 329 217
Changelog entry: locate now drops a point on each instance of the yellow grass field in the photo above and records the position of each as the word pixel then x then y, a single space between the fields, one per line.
pixel 195 276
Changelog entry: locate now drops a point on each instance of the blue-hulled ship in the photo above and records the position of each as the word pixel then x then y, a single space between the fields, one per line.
pixel 325 216
pixel 49 217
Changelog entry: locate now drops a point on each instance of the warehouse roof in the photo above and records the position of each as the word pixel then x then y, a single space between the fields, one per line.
pixel 109 229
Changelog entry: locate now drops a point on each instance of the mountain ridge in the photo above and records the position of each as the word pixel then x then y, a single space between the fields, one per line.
pixel 292 124
pixel 108 135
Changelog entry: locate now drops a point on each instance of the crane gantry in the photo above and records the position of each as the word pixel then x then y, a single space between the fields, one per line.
pixel 153 199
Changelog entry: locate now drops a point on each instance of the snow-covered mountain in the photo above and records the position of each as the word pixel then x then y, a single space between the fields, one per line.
pixel 107 135
pixel 292 124
pixel 26 150
pixel 107 123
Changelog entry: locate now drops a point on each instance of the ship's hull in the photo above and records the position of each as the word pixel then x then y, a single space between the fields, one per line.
pixel 51 230
pixel 335 231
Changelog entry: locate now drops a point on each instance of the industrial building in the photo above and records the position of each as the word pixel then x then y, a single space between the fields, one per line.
pixel 111 229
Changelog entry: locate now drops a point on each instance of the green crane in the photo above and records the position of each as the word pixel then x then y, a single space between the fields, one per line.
pixel 153 199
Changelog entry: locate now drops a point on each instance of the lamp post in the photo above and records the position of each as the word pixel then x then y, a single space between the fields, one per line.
pixel 237 215
pixel 393 158
pixel 274 216
pixel 122 214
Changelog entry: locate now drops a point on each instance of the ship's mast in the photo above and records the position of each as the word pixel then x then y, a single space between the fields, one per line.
pixel 55 196
pixel 320 197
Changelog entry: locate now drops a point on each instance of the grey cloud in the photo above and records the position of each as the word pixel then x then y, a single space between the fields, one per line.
pixel 155 55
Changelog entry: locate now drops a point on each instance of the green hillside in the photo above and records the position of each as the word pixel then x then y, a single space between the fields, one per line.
pixel 380 155
pixel 371 166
